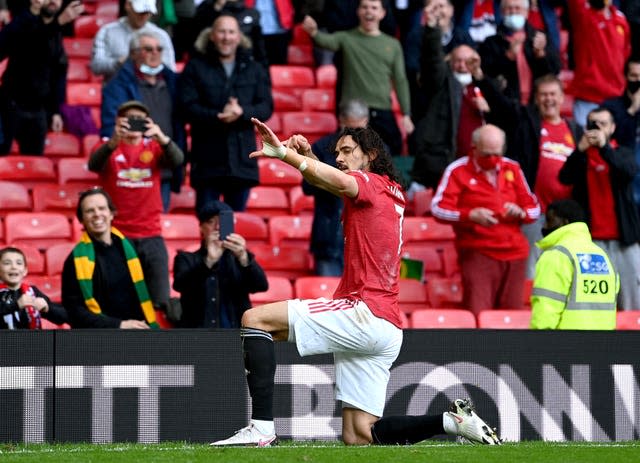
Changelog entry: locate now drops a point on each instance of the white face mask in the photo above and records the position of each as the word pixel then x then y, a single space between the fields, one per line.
pixel 463 78
pixel 148 70
pixel 515 22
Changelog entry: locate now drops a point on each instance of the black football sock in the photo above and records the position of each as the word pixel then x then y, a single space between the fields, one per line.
pixel 260 363
pixel 403 430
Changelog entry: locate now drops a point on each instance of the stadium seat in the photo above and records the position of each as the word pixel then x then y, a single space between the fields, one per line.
pixel 412 295
pixel 181 230
pixel 299 202
pixel 319 99
pixel 86 26
pixel 628 320
pixel 55 256
pixel 89 143
pixel 51 286
pixel 35 258
pixel 252 227
pixel 504 319
pixel 311 124
pixel 172 252
pixel 51 197
pixel 314 287
pixel 78 70
pixel 443 318
pixel 267 201
pixel 422 202
pixel 28 170
pixel 425 229
pixel 287 261
pixel 528 288
pixel 183 202
pixel 41 229
pixel 300 55
pixel 291 76
pixel 107 9
pixel 566 110
pixel 84 93
pixel 277 173
pixel 299 36
pixel 286 99
pixel 75 170
pixel 280 289
pixel 431 256
pixel 326 76
pixel 14 196
pixel 61 144
pixel 290 229
pixel 444 292
pixel 78 47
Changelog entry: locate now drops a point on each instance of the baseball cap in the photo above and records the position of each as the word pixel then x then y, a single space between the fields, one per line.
pixel 132 104
pixel 211 209
pixel 144 6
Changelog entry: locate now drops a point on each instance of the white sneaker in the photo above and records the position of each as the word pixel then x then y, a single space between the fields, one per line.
pixel 249 437
pixel 470 427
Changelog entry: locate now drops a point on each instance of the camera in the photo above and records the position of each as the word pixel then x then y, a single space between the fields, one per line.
pixel 592 125
pixel 226 224
pixel 137 124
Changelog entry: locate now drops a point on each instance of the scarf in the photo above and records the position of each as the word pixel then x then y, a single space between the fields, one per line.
pixel 84 260
pixel 33 315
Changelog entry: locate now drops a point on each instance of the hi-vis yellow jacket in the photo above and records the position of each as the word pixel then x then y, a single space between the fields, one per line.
pixel 575 286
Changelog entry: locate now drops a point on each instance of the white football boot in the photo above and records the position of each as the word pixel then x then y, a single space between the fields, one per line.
pixel 470 428
pixel 249 437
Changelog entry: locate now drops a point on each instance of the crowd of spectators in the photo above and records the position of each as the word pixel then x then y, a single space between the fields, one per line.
pixel 501 70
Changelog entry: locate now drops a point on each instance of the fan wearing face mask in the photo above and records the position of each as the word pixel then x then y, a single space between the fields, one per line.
pixel 518 53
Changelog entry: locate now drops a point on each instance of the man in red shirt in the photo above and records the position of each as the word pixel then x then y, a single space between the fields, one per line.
pixel 130 165
pixel 486 198
pixel 361 325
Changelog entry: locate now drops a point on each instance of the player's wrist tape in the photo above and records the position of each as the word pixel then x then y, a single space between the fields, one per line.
pixel 274 152
pixel 303 165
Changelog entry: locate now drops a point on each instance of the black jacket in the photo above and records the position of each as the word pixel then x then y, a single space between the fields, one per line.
pixel 206 292
pixel 11 313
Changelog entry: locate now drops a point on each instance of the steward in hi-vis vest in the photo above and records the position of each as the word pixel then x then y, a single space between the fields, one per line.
pixel 575 285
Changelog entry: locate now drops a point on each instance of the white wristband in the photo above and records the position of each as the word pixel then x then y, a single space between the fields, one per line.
pixel 303 165
pixel 271 151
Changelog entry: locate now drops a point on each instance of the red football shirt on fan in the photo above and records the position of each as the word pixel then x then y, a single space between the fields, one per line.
pixel 131 176
pixel 604 222
pixel 556 145
pixel 372 228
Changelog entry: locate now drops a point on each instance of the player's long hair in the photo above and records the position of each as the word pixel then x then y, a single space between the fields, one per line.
pixel 370 142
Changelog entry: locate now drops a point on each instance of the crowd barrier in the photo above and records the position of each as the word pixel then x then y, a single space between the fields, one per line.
pixel 188 385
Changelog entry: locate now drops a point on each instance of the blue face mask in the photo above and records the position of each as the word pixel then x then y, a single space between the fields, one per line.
pixel 148 70
pixel 515 22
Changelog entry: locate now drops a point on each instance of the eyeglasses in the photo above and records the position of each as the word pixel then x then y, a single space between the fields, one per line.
pixel 150 49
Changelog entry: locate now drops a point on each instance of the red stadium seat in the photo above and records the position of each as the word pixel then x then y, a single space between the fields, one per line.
pixel 300 36
pixel 422 202
pixel 52 197
pixel 89 143
pixel 78 70
pixel 172 252
pixel 55 257
pixel 326 76
pixel 180 230
pixel 277 173
pixel 14 196
pixel 319 99
pixel 412 295
pixel 267 201
pixel 314 287
pixel 183 202
pixel 566 110
pixel 75 170
pixel 280 289
pixel 504 319
pixel 291 76
pixel 35 258
pixel 442 318
pixel 78 47
pixel 287 261
pixel 107 9
pixel 300 55
pixel 312 124
pixel 286 99
pixel 86 26
pixel 84 93
pixel 61 144
pixel 28 170
pixel 290 229
pixel 425 229
pixel 51 286
pixel 252 227
pixel 299 202
pixel 431 257
pixel 41 229
pixel 628 320
pixel 444 292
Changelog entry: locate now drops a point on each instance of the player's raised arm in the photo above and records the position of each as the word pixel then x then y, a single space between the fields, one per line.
pixel 314 171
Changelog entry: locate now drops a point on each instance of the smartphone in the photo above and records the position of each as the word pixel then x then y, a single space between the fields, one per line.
pixel 137 125
pixel 226 224
pixel 592 125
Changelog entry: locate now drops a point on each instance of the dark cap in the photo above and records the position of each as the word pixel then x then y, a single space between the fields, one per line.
pixel 132 104
pixel 211 209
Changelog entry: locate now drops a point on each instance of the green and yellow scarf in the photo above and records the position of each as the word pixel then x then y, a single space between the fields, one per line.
pixel 84 259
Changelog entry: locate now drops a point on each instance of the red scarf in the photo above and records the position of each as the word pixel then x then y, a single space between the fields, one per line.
pixel 33 315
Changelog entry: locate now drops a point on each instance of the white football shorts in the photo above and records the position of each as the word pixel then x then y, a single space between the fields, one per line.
pixel 363 346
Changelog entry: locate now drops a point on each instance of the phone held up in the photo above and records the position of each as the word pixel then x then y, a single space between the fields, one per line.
pixel 137 124
pixel 592 125
pixel 226 224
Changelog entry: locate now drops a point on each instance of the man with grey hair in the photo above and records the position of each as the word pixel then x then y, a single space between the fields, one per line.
pixel 143 77
pixel 111 43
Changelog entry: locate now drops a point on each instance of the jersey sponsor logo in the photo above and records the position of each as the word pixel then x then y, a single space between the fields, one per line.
pixel 593 264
